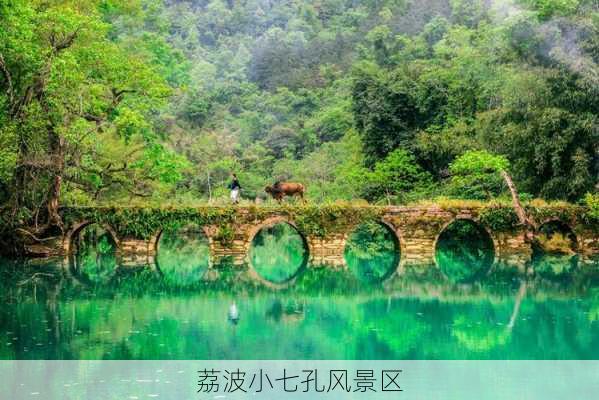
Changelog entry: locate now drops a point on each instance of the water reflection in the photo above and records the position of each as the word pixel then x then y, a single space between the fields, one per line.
pixel 290 311
pixel 327 315
pixel 278 253
pixel 554 251
pixel 555 266
pixel 183 255
pixel 372 252
pixel 94 254
pixel 233 314
pixel 464 251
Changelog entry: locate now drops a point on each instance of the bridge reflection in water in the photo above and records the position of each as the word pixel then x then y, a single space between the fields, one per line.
pixel 185 300
pixel 463 244
pixel 48 313
pixel 279 254
pixel 183 255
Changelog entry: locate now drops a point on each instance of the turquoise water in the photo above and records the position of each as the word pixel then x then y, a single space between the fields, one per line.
pixel 278 253
pixel 185 307
pixel 372 252
pixel 182 256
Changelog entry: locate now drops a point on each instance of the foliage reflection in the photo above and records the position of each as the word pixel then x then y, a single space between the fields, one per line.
pixel 324 315
pixel 183 255
pixel 464 251
pixel 372 252
pixel 278 253
pixel 94 254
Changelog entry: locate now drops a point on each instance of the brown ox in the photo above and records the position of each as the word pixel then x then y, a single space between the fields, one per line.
pixel 282 189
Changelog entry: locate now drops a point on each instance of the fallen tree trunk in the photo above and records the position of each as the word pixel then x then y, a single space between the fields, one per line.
pixel 526 220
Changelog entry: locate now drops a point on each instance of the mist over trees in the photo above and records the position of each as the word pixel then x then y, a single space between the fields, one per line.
pixel 159 100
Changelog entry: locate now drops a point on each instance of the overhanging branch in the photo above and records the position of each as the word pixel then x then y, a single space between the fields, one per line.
pixel 8 78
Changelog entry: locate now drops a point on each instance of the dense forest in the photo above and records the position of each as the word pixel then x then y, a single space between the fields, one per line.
pixel 158 101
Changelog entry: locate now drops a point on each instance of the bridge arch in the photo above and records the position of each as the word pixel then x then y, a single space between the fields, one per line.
pixel 72 233
pixel 397 236
pixel 74 266
pixel 556 225
pixel 154 243
pixel 401 245
pixel 251 235
pixel 480 226
pixel 269 223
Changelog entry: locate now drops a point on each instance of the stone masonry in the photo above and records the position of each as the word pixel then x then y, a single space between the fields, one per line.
pixel 417 230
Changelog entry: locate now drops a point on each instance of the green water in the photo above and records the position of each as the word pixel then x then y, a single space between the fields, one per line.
pixel 372 252
pixel 278 253
pixel 464 251
pixel 184 307
pixel 183 255
pixel 94 256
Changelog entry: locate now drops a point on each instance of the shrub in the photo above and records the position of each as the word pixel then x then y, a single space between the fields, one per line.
pixel 557 243
pixel 592 202
pixel 475 175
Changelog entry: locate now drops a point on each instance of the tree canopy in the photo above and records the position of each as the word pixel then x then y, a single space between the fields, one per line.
pixel 114 101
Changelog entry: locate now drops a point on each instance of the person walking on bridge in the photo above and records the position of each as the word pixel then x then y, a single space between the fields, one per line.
pixel 235 188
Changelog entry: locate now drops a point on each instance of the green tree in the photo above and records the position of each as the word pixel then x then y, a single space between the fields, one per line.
pixel 70 99
pixel 385 109
pixel 476 175
pixel 592 202
pixel 396 176
pixel 547 128
pixel 550 8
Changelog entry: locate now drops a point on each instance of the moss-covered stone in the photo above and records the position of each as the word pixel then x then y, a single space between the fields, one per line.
pixel 143 223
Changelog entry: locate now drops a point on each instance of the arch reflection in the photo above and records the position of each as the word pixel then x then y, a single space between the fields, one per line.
pixel 372 252
pixel 183 255
pixel 94 254
pixel 464 251
pixel 278 253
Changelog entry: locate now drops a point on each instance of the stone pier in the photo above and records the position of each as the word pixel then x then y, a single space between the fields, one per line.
pixel 327 251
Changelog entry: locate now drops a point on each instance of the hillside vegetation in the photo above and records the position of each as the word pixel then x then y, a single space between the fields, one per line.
pixel 389 101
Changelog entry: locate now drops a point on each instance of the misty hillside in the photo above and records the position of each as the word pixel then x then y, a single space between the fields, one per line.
pixel 382 100
pixel 276 77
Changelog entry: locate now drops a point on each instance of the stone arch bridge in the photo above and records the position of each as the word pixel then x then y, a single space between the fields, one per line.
pixel 230 230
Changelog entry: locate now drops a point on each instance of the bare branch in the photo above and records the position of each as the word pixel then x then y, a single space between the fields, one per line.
pixel 117 94
pixel 117 97
pixel 8 77
pixel 64 43
pixel 36 164
pixel 107 170
pixel 93 118
pixel 39 240
pixel 37 89
pixel 35 276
